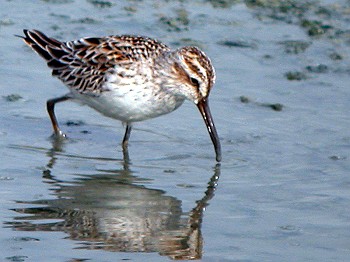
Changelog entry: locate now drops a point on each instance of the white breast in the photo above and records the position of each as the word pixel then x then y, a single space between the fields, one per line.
pixel 132 96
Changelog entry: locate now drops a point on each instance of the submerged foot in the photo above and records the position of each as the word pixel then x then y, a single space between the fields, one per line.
pixel 58 139
pixel 58 135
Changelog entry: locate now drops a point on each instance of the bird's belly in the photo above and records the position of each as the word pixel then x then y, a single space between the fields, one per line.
pixel 132 105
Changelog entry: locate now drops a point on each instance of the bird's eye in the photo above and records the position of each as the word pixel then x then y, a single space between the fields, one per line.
pixel 194 81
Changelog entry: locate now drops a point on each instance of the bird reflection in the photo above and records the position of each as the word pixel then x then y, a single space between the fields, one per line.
pixel 113 211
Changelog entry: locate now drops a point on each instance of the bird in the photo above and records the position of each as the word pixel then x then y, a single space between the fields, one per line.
pixel 128 77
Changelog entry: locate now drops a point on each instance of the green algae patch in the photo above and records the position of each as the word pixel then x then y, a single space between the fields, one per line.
pixel 294 46
pixel 295 76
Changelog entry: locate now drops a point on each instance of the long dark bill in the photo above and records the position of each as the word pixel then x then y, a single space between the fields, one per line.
pixel 203 107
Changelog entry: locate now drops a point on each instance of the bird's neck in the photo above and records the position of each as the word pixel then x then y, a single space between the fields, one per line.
pixel 165 72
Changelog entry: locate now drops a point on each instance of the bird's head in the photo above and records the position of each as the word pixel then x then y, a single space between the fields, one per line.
pixel 195 76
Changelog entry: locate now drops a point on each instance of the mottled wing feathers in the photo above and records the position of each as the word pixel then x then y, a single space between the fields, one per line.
pixel 82 64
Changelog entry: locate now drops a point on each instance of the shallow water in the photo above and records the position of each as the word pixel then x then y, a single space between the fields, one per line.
pixel 280 105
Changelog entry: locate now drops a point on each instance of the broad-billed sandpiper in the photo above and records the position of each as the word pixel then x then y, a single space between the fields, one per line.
pixel 128 78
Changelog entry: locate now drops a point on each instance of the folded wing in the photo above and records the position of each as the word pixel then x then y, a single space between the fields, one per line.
pixel 83 64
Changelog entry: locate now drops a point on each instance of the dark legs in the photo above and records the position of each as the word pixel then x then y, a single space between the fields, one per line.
pixel 58 133
pixel 126 136
pixel 125 144
pixel 51 110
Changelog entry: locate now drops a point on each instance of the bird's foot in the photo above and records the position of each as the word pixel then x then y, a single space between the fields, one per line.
pixel 58 135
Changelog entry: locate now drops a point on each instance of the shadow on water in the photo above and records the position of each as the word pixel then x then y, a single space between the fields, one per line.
pixel 108 211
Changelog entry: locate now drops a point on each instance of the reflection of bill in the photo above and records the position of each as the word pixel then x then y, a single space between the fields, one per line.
pixel 112 214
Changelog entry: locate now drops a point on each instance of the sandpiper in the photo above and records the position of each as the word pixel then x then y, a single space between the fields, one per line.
pixel 128 78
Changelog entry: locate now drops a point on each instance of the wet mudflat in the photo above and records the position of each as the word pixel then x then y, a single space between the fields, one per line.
pixel 280 105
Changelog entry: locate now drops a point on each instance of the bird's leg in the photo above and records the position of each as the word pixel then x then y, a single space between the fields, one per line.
pixel 50 104
pixel 125 144
pixel 126 136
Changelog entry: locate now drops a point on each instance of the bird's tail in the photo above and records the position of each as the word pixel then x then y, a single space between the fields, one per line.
pixel 50 49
